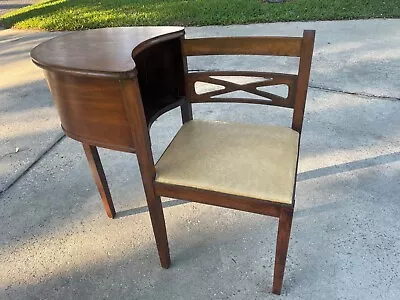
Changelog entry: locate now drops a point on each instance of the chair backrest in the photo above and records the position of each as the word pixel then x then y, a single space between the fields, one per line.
pixel 297 84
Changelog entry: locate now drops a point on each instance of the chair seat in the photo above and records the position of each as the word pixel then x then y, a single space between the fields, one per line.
pixel 256 161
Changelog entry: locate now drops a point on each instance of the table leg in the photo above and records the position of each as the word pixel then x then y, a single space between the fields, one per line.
pixel 99 178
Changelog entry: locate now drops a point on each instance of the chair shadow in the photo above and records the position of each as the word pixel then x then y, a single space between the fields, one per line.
pixel 332 170
pixel 142 209
pixel 350 166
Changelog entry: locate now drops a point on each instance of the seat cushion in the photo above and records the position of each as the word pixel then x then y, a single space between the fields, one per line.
pixel 254 161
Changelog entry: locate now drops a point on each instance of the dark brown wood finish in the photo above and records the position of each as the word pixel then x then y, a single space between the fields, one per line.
pixel 282 245
pixel 83 70
pixel 137 121
pixel 91 110
pixel 277 46
pixel 106 99
pixel 105 52
pixel 297 84
pixel 161 77
pixel 304 76
pixel 186 107
pixel 99 178
pixel 270 80
pixel 219 199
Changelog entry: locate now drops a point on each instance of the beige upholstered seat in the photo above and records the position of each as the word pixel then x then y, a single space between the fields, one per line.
pixel 256 161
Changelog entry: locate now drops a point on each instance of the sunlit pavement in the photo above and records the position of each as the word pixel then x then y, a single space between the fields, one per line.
pixel 57 243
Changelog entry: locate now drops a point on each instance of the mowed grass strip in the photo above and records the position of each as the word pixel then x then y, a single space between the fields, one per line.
pixel 85 14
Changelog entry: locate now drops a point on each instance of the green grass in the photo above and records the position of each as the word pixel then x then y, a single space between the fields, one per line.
pixel 81 14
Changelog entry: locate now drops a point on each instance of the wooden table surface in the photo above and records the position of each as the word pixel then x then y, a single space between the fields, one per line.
pixel 105 52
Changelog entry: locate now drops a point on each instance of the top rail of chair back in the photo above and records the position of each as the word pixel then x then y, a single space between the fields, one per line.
pixel 257 45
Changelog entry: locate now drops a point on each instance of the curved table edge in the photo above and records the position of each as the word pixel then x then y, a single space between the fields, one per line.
pixel 129 74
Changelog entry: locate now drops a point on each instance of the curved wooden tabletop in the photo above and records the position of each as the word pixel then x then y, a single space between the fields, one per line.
pixel 105 52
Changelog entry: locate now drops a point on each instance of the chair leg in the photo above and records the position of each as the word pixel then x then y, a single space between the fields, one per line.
pixel 100 178
pixel 282 243
pixel 147 171
pixel 159 229
pixel 186 112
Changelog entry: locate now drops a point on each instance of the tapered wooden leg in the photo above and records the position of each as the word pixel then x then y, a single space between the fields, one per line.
pixel 186 112
pixel 155 208
pixel 147 170
pixel 100 178
pixel 159 229
pixel 282 244
pixel 140 134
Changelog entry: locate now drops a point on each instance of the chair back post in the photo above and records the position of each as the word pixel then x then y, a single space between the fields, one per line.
pixel 186 108
pixel 140 134
pixel 303 79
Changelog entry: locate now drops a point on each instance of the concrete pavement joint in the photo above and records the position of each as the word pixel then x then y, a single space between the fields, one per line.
pixel 39 157
pixel 367 95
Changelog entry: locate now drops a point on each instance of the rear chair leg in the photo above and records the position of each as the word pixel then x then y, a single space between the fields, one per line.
pixel 186 112
pixel 100 178
pixel 282 243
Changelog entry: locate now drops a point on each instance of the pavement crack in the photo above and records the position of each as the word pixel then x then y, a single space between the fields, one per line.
pixel 16 151
pixel 360 94
pixel 38 158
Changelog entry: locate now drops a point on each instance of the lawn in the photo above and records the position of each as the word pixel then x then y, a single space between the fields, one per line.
pixel 81 14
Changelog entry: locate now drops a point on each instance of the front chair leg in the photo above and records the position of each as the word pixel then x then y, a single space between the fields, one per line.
pixel 147 170
pixel 99 178
pixel 159 229
pixel 282 244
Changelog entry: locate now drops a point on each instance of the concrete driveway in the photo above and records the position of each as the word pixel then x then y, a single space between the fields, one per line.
pixel 57 243
pixel 9 5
